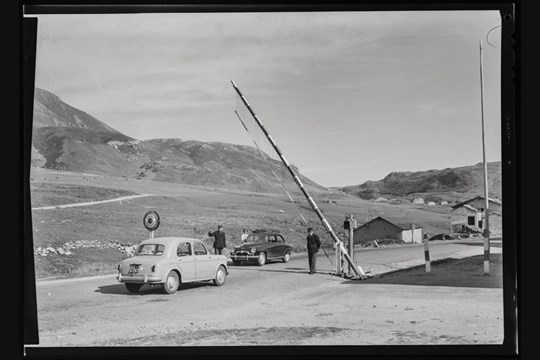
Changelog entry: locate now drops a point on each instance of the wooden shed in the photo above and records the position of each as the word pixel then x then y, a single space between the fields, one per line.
pixel 380 228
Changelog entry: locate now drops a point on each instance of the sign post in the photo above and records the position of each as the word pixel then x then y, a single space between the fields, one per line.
pixel 151 222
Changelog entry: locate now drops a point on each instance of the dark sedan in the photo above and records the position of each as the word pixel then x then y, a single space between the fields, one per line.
pixel 260 247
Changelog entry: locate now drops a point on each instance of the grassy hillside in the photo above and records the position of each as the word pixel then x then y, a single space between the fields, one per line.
pixel 185 211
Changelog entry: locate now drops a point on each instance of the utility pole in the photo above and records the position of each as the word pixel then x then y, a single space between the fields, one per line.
pixel 486 207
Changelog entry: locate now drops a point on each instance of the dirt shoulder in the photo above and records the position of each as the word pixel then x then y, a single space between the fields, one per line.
pixel 466 272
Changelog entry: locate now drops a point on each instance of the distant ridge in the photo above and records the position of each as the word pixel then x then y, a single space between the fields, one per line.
pixel 450 184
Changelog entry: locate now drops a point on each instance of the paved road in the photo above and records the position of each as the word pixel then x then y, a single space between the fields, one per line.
pixel 276 304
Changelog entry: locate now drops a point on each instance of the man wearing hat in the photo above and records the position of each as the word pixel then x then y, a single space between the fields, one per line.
pixel 219 239
pixel 313 245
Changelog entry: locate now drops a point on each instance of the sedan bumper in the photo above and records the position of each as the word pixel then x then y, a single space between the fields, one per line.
pixel 139 279
pixel 244 257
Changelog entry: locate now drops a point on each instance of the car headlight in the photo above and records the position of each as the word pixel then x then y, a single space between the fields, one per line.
pixel 252 250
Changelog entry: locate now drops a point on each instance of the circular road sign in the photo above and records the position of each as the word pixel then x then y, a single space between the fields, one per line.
pixel 151 220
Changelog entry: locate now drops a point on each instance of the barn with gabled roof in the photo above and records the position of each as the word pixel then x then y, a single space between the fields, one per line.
pixel 381 228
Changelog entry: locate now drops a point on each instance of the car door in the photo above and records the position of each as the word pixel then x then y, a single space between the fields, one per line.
pixel 186 261
pixel 204 262
pixel 271 246
pixel 281 246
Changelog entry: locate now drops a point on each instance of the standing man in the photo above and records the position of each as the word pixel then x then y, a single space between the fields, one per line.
pixel 219 239
pixel 313 245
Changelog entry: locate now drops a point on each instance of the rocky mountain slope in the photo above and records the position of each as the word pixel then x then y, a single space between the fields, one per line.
pixel 66 138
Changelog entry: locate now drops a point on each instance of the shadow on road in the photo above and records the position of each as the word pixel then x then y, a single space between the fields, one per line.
pixel 254 264
pixel 120 289
pixel 294 271
pixel 468 272
pixel 302 271
pixel 491 244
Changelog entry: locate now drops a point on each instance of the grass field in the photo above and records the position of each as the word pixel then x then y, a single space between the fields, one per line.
pixel 185 210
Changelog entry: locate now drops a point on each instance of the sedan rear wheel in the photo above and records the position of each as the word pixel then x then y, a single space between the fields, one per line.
pixel 261 260
pixel 286 258
pixel 171 283
pixel 221 275
pixel 133 288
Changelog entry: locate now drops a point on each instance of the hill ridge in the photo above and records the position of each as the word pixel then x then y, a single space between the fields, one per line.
pixel 449 184
pixel 68 139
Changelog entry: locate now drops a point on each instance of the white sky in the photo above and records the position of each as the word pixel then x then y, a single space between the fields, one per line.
pixel 348 96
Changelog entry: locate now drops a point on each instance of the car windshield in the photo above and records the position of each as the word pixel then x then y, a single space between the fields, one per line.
pixel 151 249
pixel 256 238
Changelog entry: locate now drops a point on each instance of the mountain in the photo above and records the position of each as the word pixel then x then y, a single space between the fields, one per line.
pixel 450 184
pixel 66 138
pixel 49 111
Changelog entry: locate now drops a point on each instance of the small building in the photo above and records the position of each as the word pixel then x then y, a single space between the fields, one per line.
pixel 470 214
pixel 380 228
pixel 479 203
pixel 381 199
pixel 444 202
pixel 418 200
pixel 431 203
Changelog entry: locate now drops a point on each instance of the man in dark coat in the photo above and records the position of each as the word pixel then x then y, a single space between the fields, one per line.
pixel 313 245
pixel 219 240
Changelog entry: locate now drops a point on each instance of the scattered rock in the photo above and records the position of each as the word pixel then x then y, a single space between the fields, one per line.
pixel 85 244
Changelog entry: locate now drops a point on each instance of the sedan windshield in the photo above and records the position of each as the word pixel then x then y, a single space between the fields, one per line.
pixel 150 249
pixel 256 238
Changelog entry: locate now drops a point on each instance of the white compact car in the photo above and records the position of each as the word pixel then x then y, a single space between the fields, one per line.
pixel 170 261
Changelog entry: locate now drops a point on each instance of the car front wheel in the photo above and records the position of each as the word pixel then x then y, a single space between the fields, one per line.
pixel 171 283
pixel 221 275
pixel 133 288
pixel 261 260
pixel 286 258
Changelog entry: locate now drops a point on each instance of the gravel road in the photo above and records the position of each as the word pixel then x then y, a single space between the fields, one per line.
pixel 279 304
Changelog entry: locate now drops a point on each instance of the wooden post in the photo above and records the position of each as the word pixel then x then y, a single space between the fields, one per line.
pixel 352 225
pixel 486 207
pixel 338 260
pixel 426 255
